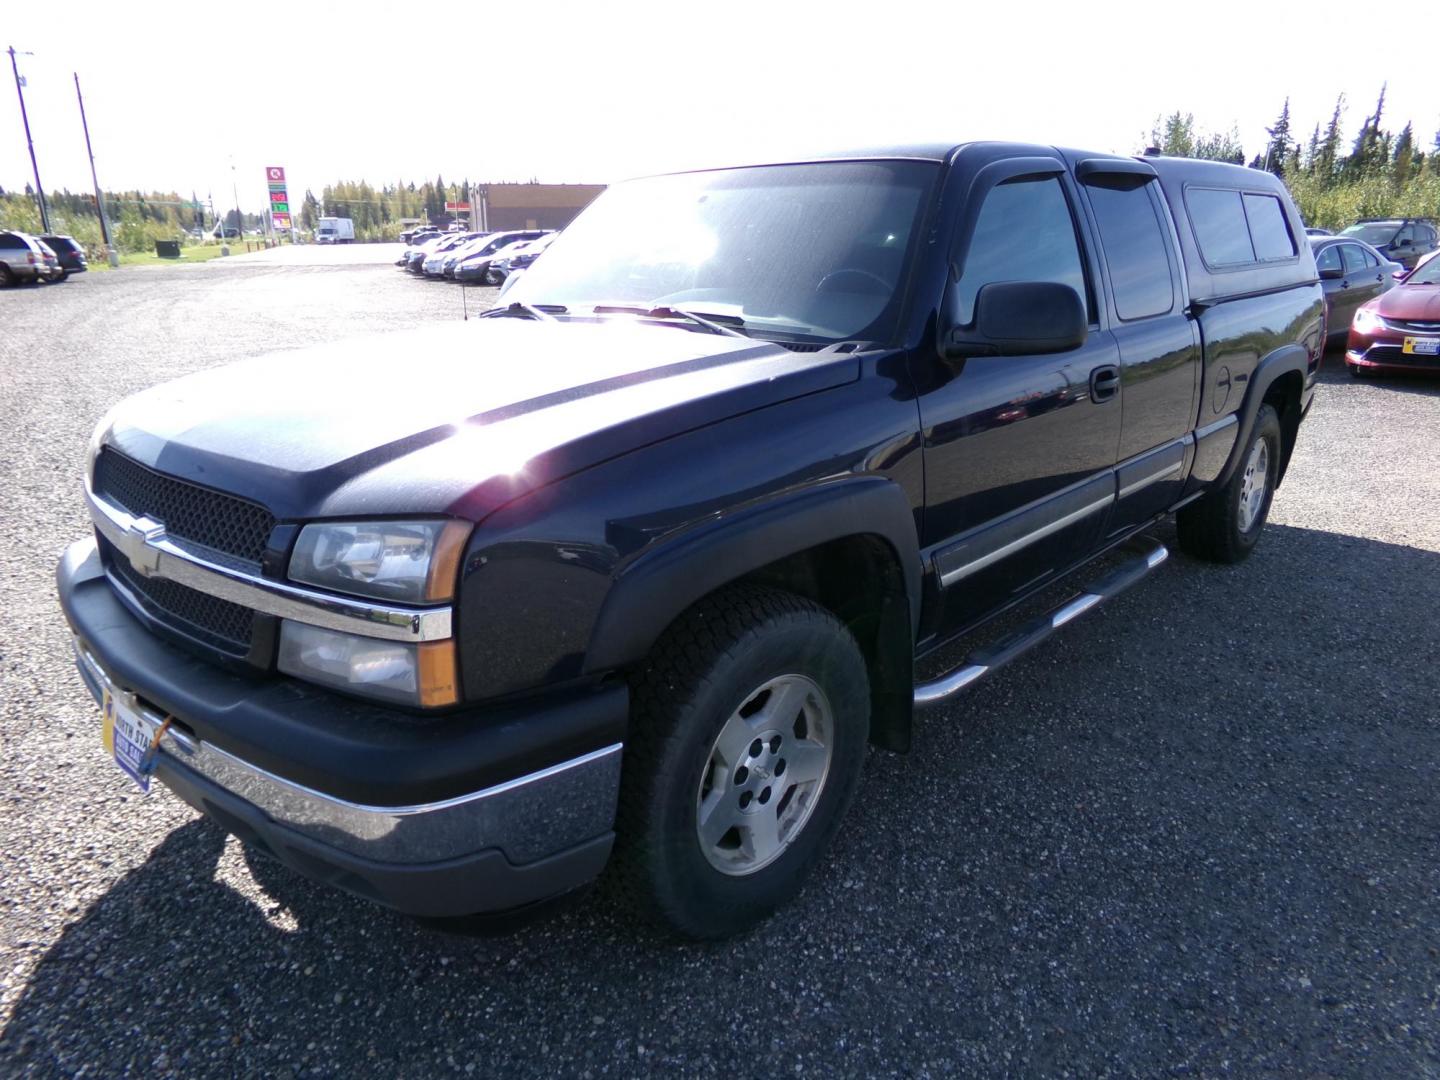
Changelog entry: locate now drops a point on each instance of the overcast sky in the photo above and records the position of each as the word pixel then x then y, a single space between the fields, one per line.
pixel 600 91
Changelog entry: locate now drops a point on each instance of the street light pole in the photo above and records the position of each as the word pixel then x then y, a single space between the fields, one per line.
pixel 25 118
pixel 111 253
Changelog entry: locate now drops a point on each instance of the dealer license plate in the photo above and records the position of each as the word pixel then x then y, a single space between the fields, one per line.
pixel 1422 346
pixel 127 736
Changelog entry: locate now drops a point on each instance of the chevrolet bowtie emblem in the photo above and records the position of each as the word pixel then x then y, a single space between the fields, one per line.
pixel 138 544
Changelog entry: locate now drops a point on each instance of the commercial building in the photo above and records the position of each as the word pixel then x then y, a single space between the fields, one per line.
pixel 529 206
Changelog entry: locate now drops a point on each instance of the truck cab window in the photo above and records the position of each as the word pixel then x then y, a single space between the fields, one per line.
pixel 1135 249
pixel 1024 233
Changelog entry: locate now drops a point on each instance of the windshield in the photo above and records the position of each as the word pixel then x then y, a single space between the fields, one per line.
pixel 800 252
pixel 1377 233
pixel 1427 273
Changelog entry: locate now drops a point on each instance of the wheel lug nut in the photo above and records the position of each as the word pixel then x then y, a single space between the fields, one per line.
pixel 780 767
pixel 764 796
pixel 741 775
pixel 756 747
pixel 745 798
pixel 774 744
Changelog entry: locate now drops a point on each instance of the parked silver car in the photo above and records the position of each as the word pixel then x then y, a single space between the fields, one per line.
pixel 26 258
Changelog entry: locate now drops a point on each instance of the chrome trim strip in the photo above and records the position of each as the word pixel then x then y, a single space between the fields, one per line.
pixel 1216 427
pixel 528 817
pixel 975 565
pixel 152 553
pixel 1153 478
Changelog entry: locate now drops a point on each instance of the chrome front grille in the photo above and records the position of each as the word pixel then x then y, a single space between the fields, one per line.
pixel 199 616
pixel 212 519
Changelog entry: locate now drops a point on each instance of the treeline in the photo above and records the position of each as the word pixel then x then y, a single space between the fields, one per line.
pixel 137 218
pixel 1379 173
pixel 378 212
pixel 140 218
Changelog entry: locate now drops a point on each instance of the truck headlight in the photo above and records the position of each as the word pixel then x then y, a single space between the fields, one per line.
pixel 409 562
pixel 421 675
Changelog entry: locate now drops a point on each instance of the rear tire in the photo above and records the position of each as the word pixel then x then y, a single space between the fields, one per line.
pixel 7 276
pixel 749 725
pixel 1224 526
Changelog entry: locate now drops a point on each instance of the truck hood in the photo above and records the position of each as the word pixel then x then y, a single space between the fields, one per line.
pixel 458 418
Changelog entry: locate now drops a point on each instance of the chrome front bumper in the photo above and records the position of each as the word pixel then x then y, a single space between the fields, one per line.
pixel 527 819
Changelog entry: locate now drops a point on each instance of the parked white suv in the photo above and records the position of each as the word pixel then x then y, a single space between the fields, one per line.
pixel 26 258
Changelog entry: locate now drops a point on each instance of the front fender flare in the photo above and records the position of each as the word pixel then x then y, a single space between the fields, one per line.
pixel 652 591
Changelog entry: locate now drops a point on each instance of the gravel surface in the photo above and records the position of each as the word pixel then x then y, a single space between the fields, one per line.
pixel 1194 834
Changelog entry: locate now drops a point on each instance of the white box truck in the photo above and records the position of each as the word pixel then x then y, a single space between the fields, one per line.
pixel 335 230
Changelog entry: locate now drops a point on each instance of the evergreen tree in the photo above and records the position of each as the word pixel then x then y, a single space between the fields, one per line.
pixel 1330 146
pixel 1278 150
pixel 1403 159
pixel 1368 155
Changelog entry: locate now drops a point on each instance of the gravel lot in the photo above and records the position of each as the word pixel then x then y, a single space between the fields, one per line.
pixel 1195 834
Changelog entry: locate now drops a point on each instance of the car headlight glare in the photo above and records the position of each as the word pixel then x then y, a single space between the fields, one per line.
pixel 1367 321
pixel 408 562
pixel 421 675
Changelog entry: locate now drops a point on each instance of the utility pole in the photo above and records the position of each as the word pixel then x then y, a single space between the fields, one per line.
pixel 111 253
pixel 25 117
pixel 239 217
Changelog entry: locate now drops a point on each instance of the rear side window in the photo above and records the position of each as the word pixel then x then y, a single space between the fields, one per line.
pixel 1370 259
pixel 1135 249
pixel 1024 233
pixel 1269 231
pixel 1219 220
pixel 1354 257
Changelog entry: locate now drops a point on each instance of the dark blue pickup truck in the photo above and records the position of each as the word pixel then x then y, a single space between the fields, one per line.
pixel 628 572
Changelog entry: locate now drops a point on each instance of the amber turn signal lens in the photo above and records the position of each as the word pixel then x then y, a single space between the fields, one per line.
pixel 445 562
pixel 438 684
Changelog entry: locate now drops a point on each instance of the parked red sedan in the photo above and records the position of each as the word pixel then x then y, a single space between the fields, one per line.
pixel 1399 330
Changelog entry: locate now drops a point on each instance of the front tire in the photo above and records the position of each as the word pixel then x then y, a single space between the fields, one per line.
pixel 1224 526
pixel 749 725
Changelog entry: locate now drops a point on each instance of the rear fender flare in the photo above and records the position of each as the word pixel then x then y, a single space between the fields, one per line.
pixel 1280 362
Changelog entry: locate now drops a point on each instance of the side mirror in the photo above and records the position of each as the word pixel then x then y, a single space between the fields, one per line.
pixel 1331 273
pixel 1401 274
pixel 1021 318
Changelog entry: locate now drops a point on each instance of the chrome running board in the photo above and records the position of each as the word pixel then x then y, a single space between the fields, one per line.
pixel 983 661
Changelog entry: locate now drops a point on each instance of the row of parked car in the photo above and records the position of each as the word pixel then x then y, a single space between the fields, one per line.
pixel 1403 240
pixel 1387 314
pixel 488 258
pixel 33 259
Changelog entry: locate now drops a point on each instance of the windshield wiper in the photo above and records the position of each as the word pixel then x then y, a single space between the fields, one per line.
pixel 712 322
pixel 543 312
